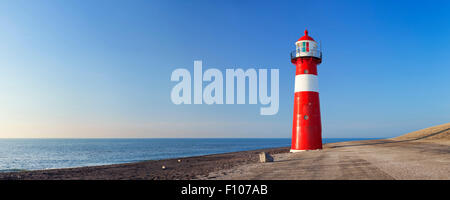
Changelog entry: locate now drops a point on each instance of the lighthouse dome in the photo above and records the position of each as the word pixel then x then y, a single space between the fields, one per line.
pixel 306 37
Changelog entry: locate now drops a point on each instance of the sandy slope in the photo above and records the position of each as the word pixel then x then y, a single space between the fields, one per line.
pixel 437 134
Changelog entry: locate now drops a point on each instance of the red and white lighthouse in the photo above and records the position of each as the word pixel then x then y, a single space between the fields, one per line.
pixel 307 128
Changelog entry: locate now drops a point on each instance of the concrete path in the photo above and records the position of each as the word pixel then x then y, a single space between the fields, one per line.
pixel 375 159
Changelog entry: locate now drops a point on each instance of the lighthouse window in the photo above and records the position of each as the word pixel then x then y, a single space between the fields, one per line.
pixel 306 71
pixel 306 117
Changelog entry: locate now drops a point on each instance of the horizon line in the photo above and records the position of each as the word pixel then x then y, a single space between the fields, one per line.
pixel 183 138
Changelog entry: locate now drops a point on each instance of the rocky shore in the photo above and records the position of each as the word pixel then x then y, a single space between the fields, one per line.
pixel 170 169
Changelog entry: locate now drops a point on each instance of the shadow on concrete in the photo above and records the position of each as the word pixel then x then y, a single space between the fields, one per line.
pixel 387 141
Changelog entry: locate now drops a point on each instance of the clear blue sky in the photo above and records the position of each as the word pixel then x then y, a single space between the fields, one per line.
pixel 102 68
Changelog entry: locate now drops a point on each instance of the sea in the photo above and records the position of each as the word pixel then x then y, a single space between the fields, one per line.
pixel 34 154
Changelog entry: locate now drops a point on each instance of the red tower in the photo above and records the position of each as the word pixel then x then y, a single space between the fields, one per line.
pixel 307 128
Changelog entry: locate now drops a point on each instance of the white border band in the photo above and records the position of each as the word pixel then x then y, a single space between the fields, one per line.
pixel 306 82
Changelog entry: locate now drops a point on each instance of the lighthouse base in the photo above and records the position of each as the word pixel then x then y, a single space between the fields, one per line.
pixel 298 151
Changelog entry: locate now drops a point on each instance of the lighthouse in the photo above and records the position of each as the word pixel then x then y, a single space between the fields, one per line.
pixel 307 127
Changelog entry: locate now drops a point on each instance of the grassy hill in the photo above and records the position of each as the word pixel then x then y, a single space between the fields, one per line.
pixel 439 134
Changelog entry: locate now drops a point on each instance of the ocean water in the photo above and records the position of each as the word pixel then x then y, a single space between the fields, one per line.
pixel 32 154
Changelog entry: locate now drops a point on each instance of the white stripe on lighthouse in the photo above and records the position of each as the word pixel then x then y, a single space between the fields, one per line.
pixel 306 82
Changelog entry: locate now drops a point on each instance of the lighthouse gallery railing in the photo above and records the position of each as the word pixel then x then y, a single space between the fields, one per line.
pixel 312 53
